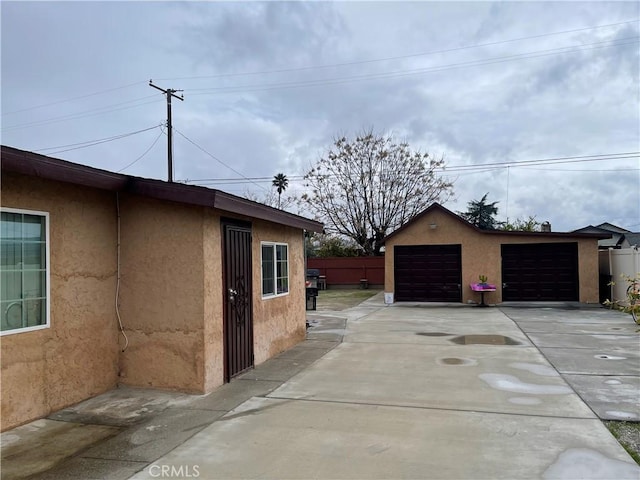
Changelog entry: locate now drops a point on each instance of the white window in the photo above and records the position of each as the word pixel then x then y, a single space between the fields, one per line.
pixel 275 269
pixel 24 270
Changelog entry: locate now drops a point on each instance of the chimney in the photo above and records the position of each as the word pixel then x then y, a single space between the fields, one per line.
pixel 545 227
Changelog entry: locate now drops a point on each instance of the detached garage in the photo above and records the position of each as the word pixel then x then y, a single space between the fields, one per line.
pixel 435 257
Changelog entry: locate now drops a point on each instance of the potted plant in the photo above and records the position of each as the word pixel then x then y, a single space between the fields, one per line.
pixel 483 280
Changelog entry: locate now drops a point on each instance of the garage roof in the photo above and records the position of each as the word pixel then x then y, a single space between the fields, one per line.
pixel 437 207
pixel 33 164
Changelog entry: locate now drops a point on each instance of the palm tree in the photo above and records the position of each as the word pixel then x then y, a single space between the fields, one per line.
pixel 281 182
pixel 481 214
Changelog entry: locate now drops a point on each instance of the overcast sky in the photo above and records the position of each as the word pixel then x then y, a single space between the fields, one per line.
pixel 268 85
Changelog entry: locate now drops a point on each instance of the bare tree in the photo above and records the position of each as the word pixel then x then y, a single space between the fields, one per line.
pixel 369 186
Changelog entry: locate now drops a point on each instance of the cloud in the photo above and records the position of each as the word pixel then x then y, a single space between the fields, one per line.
pixel 421 88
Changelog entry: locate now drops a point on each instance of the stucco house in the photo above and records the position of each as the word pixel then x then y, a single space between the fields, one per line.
pixel 112 279
pixel 437 255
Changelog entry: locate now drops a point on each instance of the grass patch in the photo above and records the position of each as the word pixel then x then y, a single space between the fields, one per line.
pixel 340 299
pixel 359 294
pixel 628 435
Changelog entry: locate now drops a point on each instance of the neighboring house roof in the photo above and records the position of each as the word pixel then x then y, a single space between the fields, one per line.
pixel 33 164
pixel 591 229
pixel 437 207
pixel 633 239
pixel 617 234
pixel 613 228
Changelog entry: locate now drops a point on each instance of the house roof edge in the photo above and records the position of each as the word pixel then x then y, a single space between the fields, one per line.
pixel 37 165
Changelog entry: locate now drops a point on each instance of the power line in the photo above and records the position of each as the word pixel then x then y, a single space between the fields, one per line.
pixel 145 152
pixel 315 67
pixel 87 113
pixel 551 161
pixel 71 99
pixel 610 170
pixel 257 179
pixel 97 141
pixel 330 81
pixel 399 57
pixel 466 169
pixel 418 71
pixel 215 158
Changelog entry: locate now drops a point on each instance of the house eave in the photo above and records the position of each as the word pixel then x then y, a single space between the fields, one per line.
pixel 41 166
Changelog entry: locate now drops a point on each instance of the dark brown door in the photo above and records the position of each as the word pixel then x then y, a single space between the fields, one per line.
pixel 540 272
pixel 238 311
pixel 428 273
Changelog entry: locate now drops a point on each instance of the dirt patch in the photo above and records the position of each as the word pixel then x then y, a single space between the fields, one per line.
pixel 341 299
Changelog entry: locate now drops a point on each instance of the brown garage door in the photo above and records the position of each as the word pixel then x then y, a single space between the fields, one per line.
pixel 540 272
pixel 428 273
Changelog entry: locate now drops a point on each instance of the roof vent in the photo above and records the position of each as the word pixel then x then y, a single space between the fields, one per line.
pixel 545 227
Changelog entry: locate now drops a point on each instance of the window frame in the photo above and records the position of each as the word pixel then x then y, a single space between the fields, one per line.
pixel 274 271
pixel 47 289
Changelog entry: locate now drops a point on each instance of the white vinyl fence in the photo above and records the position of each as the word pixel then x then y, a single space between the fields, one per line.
pixel 621 262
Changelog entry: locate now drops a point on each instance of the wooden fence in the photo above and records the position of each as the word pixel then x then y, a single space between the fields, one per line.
pixel 349 271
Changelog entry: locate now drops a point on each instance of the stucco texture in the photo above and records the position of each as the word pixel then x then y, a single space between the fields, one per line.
pixel 278 322
pixel 162 294
pixel 170 298
pixel 213 298
pixel 77 356
pixel 172 295
pixel 481 253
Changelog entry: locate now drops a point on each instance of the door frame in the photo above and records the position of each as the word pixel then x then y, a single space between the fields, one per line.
pixel 245 227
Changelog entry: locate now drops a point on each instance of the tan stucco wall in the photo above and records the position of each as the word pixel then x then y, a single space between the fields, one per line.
pixel 171 299
pixel 481 254
pixel 174 315
pixel 213 306
pixel 76 357
pixel 279 322
pixel 162 294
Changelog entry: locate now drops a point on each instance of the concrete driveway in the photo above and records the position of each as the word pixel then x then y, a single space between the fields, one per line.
pixel 432 392
pixel 405 391
pixel 597 351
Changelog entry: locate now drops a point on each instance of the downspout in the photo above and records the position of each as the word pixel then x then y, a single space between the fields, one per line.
pixel 304 245
pixel 126 340
pixel 610 276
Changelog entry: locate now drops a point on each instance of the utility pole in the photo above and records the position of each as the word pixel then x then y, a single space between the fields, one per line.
pixel 169 92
